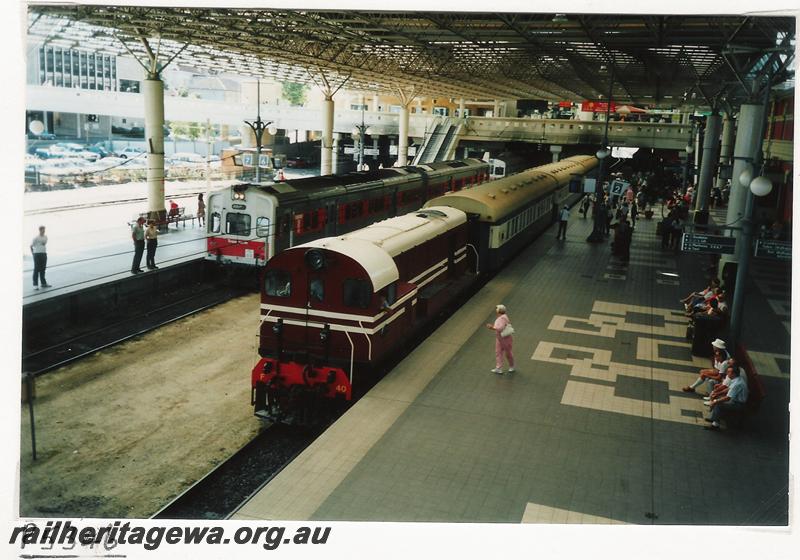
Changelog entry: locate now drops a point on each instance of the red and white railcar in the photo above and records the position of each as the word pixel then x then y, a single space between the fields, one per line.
pixel 249 223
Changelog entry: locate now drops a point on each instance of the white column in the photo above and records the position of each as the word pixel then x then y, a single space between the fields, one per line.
pixel 154 136
pixel 496 109
pixel 750 117
pixel 461 107
pixel 728 129
pixel 556 151
pixel 709 164
pixel 374 108
pixel 402 142
pixel 327 137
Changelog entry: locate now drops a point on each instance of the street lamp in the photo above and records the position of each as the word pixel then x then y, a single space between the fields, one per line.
pixel 359 132
pixel 258 127
pixel 760 186
pixel 597 227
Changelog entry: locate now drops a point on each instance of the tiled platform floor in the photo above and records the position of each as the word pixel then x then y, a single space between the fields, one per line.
pixel 593 426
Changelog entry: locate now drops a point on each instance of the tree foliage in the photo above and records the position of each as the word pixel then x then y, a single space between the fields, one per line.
pixel 294 93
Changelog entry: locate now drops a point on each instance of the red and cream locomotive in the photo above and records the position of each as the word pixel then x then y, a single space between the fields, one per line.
pixel 249 223
pixel 333 310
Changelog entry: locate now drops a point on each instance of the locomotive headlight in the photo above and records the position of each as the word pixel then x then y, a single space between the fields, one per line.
pixel 315 259
pixel 325 332
pixel 278 327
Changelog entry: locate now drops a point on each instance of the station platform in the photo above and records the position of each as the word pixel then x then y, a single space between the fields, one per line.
pixel 89 239
pixel 591 428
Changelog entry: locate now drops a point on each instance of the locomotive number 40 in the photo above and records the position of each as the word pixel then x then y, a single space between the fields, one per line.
pixel 341 388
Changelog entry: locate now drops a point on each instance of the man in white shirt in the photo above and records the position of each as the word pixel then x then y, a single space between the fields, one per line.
pixel 563 216
pixel 39 252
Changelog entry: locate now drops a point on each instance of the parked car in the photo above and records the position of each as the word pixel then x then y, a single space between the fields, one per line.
pixel 186 157
pixel 298 162
pixel 130 152
pixel 100 150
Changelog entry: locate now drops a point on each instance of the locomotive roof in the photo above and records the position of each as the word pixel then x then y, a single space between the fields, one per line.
pixel 494 200
pixel 374 246
pixel 375 261
pixel 402 233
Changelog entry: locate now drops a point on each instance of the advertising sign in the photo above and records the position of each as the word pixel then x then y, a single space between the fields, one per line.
pixel 597 106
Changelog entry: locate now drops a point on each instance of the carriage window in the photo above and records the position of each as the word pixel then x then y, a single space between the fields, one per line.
pixel 215 220
pixel 278 283
pixel 237 224
pixel 262 226
pixel 357 293
pixel 317 289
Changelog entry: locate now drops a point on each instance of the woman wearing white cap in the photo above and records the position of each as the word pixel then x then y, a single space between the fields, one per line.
pixel 715 374
pixel 504 333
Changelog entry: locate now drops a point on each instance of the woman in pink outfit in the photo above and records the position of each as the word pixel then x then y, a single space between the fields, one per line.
pixel 502 344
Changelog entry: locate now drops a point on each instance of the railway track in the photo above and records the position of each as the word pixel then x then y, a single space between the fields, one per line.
pixel 221 492
pixel 62 352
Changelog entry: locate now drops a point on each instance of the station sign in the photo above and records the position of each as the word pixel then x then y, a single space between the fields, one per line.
pixel 702 243
pixel 367 151
pixel 589 185
pixel 247 160
pixel 774 249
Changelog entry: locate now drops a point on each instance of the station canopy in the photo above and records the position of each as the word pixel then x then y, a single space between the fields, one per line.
pixel 651 60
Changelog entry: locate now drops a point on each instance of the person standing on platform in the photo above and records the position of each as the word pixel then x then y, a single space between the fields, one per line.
pixel 151 237
pixel 137 234
pixel 563 217
pixel 201 210
pixel 503 344
pixel 39 252
pixel 585 204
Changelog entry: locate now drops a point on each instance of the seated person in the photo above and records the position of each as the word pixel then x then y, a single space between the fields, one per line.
pixel 721 389
pixel 714 374
pixel 698 297
pixel 734 400
pixel 709 309
pixel 173 209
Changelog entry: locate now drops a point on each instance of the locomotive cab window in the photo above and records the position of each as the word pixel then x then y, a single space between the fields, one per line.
pixel 316 289
pixel 237 224
pixel 278 283
pixel 357 293
pixel 215 221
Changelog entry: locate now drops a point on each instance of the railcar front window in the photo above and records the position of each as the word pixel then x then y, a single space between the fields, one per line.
pixel 357 293
pixel 237 224
pixel 215 221
pixel 278 283
pixel 262 226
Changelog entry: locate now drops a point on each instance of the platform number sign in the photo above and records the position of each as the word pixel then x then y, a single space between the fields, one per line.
pixel 617 187
pixel 247 160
